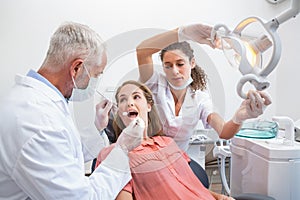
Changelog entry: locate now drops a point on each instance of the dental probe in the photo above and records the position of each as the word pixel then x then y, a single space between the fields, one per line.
pixel 114 104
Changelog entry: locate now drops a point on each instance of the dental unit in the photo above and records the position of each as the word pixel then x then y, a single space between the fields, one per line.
pixel 265 158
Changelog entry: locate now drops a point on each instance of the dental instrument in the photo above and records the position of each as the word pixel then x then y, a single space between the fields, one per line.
pixel 221 152
pixel 114 104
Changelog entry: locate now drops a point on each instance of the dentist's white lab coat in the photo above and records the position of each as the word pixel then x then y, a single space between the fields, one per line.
pixel 41 151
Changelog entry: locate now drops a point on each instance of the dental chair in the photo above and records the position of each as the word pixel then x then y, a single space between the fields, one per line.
pixel 200 173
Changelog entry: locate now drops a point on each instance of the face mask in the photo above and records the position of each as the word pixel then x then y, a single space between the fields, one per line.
pixel 84 94
pixel 187 83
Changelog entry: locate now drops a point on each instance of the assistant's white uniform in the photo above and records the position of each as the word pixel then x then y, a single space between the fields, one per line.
pixel 41 151
pixel 196 106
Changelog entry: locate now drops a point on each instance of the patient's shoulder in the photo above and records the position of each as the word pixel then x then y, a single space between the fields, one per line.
pixel 165 139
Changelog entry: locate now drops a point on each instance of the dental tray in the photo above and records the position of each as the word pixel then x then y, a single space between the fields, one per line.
pixel 259 130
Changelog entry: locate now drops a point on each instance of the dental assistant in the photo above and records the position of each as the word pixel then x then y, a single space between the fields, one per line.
pixel 42 156
pixel 181 92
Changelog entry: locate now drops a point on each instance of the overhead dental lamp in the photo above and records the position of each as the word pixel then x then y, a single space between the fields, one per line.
pixel 246 51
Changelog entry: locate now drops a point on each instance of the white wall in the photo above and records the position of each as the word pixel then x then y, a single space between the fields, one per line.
pixel 27 25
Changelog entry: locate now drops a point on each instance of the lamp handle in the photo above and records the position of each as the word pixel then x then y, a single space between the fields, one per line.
pixel 259 83
pixel 216 28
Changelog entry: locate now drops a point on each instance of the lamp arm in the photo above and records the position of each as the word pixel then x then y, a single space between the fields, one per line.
pixel 292 12
pixel 271 27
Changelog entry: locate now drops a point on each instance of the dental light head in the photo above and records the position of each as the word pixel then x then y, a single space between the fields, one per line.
pixel 246 50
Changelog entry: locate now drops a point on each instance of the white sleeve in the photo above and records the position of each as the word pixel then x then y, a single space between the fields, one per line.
pixel 114 168
pixel 206 107
pixel 92 142
pixel 153 81
pixel 50 166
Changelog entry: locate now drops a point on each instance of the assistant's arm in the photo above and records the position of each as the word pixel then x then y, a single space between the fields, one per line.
pixel 251 107
pixel 150 46
pixel 226 130
pixel 196 32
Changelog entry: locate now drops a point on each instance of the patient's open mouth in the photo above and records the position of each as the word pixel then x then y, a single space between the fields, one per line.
pixel 133 114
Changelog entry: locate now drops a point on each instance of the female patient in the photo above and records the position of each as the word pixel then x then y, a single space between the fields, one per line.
pixel 159 168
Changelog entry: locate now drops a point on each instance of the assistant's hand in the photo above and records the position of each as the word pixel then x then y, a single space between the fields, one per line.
pixel 252 107
pixel 132 135
pixel 102 114
pixel 197 32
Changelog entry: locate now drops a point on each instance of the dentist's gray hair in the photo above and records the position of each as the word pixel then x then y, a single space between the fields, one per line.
pixel 73 40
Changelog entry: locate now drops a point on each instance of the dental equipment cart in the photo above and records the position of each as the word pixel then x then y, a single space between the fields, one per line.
pixel 265 166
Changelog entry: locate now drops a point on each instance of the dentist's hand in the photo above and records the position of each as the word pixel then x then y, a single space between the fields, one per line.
pixel 252 107
pixel 197 32
pixel 132 135
pixel 102 114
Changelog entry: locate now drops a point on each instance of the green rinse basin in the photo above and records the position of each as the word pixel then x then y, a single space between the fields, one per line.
pixel 259 130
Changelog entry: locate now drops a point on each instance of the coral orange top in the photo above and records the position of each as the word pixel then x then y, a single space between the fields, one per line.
pixel 160 170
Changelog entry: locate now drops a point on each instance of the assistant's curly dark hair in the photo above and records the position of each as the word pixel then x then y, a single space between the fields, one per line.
pixel 198 75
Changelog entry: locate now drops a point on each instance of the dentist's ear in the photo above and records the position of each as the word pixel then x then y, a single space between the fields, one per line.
pixel 76 66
